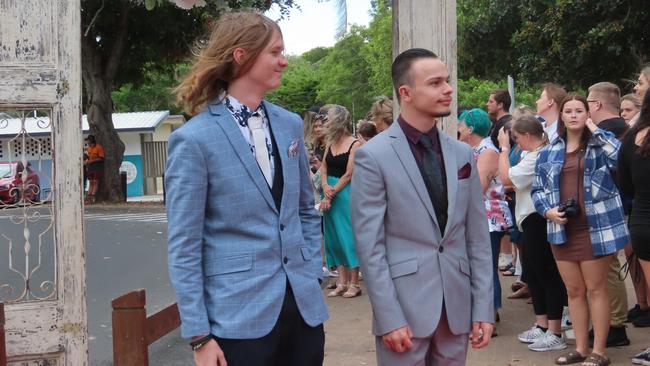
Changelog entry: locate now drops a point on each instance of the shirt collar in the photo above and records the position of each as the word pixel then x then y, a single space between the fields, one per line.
pixel 241 112
pixel 414 134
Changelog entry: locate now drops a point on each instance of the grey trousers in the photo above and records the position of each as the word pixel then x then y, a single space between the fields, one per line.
pixel 442 348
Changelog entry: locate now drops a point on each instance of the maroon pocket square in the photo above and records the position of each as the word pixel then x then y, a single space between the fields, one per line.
pixel 465 171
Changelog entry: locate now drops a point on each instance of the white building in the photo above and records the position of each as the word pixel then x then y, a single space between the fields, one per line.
pixel 144 134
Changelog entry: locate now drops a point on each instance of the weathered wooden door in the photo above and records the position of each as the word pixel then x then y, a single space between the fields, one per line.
pixel 42 256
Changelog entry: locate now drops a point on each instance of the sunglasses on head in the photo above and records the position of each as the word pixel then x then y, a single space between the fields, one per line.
pixel 323 117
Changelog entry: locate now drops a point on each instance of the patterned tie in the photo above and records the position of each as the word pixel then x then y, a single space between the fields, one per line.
pixel 261 151
pixel 432 173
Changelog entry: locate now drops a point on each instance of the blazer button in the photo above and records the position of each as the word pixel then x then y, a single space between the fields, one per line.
pixel 441 249
pixel 281 227
pixel 285 260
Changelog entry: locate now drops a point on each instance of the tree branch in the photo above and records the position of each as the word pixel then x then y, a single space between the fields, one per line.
pixel 94 18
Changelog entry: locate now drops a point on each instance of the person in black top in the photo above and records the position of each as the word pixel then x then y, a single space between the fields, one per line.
pixel 634 180
pixel 604 100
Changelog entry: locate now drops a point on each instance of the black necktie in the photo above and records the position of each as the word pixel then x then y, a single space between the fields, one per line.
pixel 432 174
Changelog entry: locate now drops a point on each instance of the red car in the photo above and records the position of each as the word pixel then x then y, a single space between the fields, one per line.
pixel 12 189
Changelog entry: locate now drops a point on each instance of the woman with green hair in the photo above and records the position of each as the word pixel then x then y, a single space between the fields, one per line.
pixel 474 129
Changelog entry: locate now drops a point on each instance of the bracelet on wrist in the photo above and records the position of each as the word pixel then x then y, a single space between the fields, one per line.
pixel 200 342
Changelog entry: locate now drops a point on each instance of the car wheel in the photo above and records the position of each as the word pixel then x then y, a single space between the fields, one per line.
pixel 15 197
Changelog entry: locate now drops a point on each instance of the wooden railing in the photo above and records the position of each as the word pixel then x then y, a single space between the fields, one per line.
pixel 133 331
pixel 3 346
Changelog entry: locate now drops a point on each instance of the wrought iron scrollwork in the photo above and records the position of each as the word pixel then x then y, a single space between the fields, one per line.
pixel 27 246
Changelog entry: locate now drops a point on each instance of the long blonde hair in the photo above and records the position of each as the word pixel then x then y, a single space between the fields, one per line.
pixel 339 123
pixel 214 66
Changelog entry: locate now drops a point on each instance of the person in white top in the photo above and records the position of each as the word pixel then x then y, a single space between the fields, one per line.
pixel 548 107
pixel 542 276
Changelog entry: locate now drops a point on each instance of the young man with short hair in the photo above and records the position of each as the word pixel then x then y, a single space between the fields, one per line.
pixel 419 222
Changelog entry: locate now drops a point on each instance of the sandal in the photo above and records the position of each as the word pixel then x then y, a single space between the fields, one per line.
pixel 570 358
pixel 338 291
pixel 354 290
pixel 595 359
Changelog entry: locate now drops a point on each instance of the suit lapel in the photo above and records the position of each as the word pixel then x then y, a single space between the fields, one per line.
pixel 229 126
pixel 280 141
pixel 401 146
pixel 449 158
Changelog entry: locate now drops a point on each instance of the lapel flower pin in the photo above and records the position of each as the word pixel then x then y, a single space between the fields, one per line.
pixel 293 148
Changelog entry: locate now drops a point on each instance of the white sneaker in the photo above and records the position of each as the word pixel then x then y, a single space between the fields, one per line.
pixel 641 358
pixel 548 342
pixel 504 261
pixel 531 335
pixel 566 321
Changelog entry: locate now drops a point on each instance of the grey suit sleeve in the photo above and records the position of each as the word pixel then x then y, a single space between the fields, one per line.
pixel 479 252
pixel 368 209
pixel 186 190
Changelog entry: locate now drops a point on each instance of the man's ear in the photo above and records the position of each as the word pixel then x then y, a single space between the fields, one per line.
pixel 238 55
pixel 404 92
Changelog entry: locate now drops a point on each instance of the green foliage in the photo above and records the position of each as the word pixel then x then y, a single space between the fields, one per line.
pixel 343 75
pixel 154 93
pixel 572 42
pixel 474 93
pixel 377 52
pixel 299 86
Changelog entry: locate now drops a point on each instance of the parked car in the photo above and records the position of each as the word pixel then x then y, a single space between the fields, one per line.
pixel 12 189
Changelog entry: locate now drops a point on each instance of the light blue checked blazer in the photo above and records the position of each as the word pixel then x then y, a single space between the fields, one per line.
pixel 604 209
pixel 227 240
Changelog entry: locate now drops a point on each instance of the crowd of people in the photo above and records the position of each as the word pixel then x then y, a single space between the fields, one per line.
pixel 428 219
pixel 564 190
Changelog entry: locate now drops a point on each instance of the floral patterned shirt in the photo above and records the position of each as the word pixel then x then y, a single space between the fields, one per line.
pixel 496 206
pixel 241 113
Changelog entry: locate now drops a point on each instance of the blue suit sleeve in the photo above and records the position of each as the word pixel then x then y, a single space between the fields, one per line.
pixel 186 183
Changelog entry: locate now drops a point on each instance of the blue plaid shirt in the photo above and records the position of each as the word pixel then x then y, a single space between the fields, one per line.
pixel 604 209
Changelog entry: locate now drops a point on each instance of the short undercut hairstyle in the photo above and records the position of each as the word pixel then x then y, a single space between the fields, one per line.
pixel 401 68
pixel 608 94
pixel 501 96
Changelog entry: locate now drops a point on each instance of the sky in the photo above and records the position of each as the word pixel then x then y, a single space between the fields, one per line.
pixel 313 25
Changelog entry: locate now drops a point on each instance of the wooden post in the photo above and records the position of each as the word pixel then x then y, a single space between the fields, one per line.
pixel 429 24
pixel 3 347
pixel 130 347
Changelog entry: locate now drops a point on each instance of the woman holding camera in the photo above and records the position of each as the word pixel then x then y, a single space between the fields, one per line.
pixel 542 276
pixel 574 190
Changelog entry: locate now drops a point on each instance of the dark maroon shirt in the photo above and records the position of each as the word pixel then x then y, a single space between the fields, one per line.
pixel 413 136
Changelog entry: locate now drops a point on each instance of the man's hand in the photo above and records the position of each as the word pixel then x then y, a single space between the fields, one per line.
pixel 481 334
pixel 556 216
pixel 210 354
pixel 399 340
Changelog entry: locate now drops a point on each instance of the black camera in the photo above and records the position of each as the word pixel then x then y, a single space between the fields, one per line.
pixel 571 208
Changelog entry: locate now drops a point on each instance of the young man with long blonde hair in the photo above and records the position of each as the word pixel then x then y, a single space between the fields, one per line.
pixel 244 237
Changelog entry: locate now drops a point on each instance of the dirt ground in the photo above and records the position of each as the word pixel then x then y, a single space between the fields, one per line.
pixel 350 343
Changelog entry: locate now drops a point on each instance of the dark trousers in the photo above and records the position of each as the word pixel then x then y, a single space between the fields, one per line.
pixel 495 240
pixel 291 342
pixel 542 276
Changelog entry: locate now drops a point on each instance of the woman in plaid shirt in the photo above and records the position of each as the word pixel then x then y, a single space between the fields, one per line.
pixel 580 165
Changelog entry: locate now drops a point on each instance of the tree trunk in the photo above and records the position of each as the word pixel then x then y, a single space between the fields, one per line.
pixel 99 112
pixel 98 75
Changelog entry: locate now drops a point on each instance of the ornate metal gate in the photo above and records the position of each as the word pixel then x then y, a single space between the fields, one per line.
pixel 42 256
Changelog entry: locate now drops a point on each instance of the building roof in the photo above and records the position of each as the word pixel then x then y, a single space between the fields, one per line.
pixel 123 122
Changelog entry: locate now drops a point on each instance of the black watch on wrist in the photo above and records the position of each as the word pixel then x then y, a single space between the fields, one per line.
pixel 200 342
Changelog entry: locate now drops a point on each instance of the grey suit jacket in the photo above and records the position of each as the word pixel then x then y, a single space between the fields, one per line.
pixel 410 269
pixel 230 249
